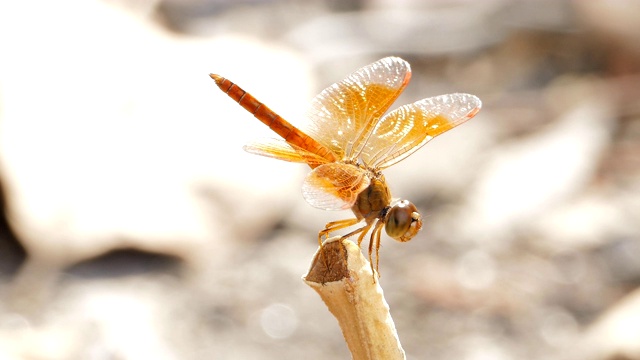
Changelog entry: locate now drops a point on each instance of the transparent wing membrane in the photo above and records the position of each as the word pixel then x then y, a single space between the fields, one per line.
pixel 343 115
pixel 406 129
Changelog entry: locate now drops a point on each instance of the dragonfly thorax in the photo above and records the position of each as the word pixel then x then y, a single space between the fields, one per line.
pixel 373 201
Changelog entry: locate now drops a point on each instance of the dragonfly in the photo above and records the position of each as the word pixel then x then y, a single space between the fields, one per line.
pixel 348 141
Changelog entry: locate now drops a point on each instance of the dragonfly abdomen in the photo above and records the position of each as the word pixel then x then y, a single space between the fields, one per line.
pixel 275 122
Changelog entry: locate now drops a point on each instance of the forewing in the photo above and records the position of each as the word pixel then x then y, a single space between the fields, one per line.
pixel 280 149
pixel 404 130
pixel 343 115
pixel 334 186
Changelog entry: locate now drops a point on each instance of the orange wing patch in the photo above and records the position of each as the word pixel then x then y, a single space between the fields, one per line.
pixel 343 115
pixel 282 150
pixel 334 186
pixel 406 129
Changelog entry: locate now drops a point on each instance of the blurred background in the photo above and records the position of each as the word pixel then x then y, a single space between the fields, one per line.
pixel 135 227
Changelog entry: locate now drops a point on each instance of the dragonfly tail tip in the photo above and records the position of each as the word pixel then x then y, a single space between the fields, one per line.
pixel 218 79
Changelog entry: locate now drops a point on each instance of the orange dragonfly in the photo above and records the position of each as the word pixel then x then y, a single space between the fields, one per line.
pixel 349 142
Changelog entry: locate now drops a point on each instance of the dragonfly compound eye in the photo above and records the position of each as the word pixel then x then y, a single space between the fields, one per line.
pixel 403 221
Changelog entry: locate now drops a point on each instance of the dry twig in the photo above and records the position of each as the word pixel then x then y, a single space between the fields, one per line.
pixel 343 278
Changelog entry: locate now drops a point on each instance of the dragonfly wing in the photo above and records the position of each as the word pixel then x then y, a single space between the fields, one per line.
pixel 343 115
pixel 406 129
pixel 282 150
pixel 334 186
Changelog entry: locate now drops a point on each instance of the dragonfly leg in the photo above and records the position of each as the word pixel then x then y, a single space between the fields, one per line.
pixel 364 232
pixel 335 225
pixel 375 239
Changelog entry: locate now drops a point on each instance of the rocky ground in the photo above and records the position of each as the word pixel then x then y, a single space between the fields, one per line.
pixel 135 227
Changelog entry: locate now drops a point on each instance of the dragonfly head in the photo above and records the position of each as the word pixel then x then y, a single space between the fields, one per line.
pixel 403 221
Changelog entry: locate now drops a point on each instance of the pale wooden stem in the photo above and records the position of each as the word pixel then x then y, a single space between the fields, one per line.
pixel 343 278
